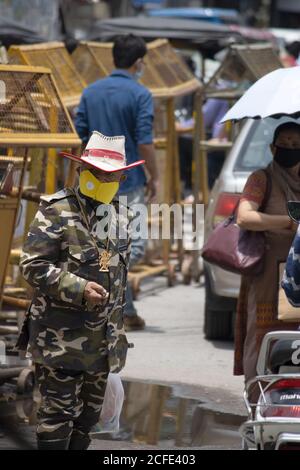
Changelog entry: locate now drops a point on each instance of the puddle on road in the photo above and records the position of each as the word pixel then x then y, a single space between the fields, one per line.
pixel 152 414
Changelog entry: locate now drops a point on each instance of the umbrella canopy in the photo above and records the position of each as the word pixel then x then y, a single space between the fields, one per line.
pixel 202 35
pixel 13 32
pixel 214 15
pixel 274 95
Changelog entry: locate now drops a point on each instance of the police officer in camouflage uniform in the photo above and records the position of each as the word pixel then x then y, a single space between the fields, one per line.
pixel 74 328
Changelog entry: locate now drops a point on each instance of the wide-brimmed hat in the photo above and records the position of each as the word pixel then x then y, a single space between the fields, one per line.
pixel 104 153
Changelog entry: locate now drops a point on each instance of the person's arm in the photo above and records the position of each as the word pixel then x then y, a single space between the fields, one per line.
pixel 40 255
pixel 127 258
pixel 291 277
pixel 147 153
pixel 144 138
pixel 218 128
pixel 81 120
pixel 249 217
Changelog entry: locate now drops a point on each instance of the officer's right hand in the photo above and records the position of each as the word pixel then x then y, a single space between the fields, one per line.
pixel 94 294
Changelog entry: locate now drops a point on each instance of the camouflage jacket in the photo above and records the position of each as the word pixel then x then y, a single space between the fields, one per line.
pixel 59 257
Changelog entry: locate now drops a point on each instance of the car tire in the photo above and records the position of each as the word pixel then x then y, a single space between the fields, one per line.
pixel 217 324
pixel 218 314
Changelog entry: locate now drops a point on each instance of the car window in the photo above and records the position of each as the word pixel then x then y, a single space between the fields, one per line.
pixel 255 152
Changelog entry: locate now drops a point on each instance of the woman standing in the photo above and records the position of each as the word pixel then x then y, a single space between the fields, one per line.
pixel 272 188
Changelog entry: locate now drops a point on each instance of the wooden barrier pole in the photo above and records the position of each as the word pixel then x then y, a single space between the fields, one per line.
pixel 16 302
pixel 199 154
pixel 21 184
pixel 52 154
pixel 168 170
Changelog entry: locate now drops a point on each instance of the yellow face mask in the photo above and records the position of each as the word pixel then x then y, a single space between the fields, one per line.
pixel 90 186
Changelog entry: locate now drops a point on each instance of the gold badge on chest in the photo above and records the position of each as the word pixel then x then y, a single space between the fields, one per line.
pixel 104 259
pixel 106 254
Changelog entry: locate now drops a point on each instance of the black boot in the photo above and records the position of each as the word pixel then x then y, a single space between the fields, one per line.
pixel 57 444
pixel 79 442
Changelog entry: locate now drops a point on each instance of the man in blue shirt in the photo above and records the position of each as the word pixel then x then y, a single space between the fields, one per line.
pixel 119 105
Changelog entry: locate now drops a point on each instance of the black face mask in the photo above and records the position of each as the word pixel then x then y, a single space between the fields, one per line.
pixel 285 157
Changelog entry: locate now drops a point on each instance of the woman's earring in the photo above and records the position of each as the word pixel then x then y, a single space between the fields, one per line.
pixel 123 178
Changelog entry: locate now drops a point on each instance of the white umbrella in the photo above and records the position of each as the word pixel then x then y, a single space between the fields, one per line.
pixel 274 95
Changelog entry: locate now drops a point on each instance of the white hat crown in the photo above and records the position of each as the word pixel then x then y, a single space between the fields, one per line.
pixel 100 141
pixel 104 153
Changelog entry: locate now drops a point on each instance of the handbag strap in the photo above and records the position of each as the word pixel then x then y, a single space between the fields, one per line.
pixel 268 191
pixel 265 199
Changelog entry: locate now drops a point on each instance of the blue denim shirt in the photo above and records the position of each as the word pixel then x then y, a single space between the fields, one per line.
pixel 118 105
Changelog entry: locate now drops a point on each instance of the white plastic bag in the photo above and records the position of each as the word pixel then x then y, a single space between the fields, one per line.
pixel 112 406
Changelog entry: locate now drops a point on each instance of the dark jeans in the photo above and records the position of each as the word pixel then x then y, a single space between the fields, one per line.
pixel 138 246
pixel 215 162
pixel 185 144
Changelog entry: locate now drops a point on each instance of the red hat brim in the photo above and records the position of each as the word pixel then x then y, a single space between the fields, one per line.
pixel 79 160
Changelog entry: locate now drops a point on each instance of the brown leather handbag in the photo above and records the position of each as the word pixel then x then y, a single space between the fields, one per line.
pixel 234 249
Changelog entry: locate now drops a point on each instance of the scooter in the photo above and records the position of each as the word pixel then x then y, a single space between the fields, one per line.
pixel 274 418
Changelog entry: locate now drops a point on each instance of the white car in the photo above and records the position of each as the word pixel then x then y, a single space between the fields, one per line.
pixel 249 152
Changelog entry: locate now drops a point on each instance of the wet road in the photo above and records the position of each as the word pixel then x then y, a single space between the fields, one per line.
pixel 153 416
pixel 199 402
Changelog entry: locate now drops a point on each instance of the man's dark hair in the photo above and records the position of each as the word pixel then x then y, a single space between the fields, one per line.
pixel 127 50
pixel 286 126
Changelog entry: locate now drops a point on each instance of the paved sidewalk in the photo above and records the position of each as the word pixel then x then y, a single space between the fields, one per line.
pixel 173 349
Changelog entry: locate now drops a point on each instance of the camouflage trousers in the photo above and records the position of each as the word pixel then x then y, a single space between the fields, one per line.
pixel 71 401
